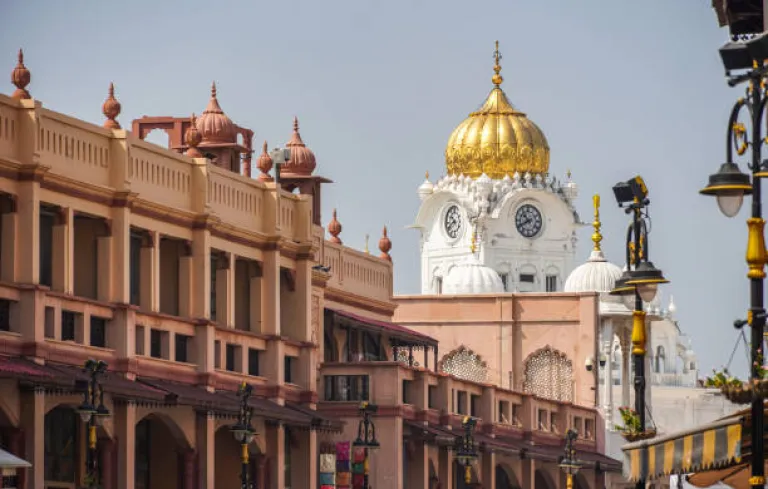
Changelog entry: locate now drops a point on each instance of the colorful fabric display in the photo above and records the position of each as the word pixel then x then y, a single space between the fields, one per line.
pixel 342 450
pixel 342 466
pixel 343 479
pixel 327 479
pixel 357 480
pixel 359 455
pixel 358 468
pixel 327 462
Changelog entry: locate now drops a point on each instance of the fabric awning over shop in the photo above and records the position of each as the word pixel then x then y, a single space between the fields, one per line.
pixel 708 447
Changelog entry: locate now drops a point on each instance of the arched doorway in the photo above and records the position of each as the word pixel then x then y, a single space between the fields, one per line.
pixel 505 478
pixel 580 482
pixel 229 459
pixel 61 439
pixel 160 454
pixel 543 480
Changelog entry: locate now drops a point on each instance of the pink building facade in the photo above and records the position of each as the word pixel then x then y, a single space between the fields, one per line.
pixel 188 277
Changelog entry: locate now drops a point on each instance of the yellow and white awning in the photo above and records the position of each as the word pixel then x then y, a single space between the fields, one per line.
pixel 707 447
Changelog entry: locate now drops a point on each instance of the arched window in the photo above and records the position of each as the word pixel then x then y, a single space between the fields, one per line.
pixel 464 364
pixel 660 359
pixel 438 285
pixel 549 374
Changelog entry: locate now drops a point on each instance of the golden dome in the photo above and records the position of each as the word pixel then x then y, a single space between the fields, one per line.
pixel 497 139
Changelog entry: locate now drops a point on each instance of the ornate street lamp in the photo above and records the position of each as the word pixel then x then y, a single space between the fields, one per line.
pixel 366 435
pixel 568 463
pixel 243 431
pixel 466 450
pixel 93 415
pixel 639 282
pixel 729 185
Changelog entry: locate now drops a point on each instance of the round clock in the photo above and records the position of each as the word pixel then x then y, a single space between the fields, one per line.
pixel 528 220
pixel 453 221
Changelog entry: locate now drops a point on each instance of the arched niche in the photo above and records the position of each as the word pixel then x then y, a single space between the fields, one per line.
pixel 548 374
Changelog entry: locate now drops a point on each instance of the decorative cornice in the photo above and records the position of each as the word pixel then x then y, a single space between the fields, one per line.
pixel 355 300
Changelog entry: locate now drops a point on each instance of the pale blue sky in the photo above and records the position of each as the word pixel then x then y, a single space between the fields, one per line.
pixel 618 87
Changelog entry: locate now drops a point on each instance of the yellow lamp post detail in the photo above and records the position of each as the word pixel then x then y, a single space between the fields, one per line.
pixel 756 254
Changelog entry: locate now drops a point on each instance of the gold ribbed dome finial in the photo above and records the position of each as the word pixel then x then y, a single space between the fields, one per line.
pixel 497 78
pixel 596 236
pixel 497 139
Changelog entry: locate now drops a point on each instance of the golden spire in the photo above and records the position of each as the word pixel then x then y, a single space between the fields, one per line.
pixel 497 79
pixel 596 236
pixel 426 175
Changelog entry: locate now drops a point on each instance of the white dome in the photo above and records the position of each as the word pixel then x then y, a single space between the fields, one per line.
pixel 596 275
pixel 426 188
pixel 472 278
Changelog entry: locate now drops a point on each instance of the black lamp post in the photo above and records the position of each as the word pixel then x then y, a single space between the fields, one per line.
pixel 639 283
pixel 93 412
pixel 366 435
pixel 730 186
pixel 243 431
pixel 569 464
pixel 466 450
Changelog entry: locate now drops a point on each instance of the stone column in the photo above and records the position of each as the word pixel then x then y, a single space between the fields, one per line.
pixel 303 299
pixel 488 475
pixel 418 467
pixel 150 273
pixel 125 431
pixel 606 349
pixel 121 251
pixel 445 469
pixel 276 447
pixel 201 273
pixel 10 224
pixel 270 293
pixel 206 452
pixel 305 464
pixel 107 452
pixel 190 469
pixel 274 364
pixel 527 473
pixel 260 466
pixel 33 424
pixel 625 341
pixel 225 290
pixel 62 261
pixel 28 242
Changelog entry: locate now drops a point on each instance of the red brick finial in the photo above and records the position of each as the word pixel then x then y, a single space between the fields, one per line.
pixel 111 109
pixel 21 77
pixel 334 228
pixel 264 164
pixel 385 244
pixel 193 138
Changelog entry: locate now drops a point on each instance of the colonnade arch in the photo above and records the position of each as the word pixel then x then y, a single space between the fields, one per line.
pixel 506 478
pixel 161 451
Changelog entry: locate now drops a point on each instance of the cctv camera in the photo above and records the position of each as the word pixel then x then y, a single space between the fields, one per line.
pixel 603 359
pixel 589 364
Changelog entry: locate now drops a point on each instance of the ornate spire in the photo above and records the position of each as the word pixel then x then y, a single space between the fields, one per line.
pixel 334 229
pixel 21 77
pixel 264 164
pixel 193 138
pixel 497 79
pixel 596 236
pixel 111 109
pixel 385 245
pixel 426 175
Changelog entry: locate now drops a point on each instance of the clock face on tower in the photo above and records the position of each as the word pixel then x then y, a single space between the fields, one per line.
pixel 528 220
pixel 453 221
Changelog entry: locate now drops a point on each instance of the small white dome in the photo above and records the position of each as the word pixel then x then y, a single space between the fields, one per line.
pixel 472 278
pixel 426 188
pixel 596 275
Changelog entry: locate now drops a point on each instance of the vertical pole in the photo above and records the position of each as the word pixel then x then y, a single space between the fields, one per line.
pixel 638 335
pixel 757 312
pixel 244 466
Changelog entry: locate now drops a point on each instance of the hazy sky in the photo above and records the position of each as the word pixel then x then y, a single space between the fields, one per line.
pixel 618 87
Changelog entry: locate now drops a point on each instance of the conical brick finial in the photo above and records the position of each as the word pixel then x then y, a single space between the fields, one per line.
pixel 265 164
pixel 111 109
pixel 20 77
pixel 385 244
pixel 334 229
pixel 193 138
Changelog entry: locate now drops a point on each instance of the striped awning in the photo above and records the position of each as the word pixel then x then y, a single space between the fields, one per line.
pixel 707 447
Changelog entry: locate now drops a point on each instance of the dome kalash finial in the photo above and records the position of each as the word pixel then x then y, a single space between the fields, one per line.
pixel 497 139
pixel 596 236
pixel 497 78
